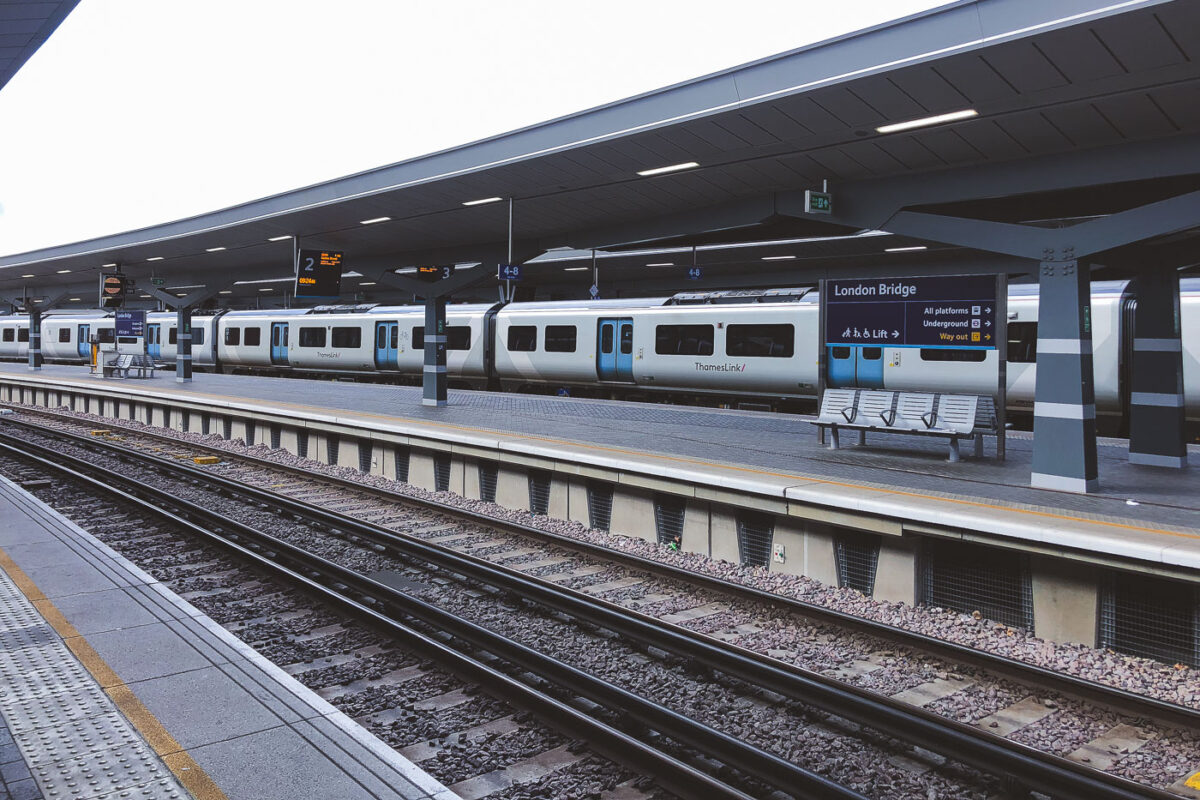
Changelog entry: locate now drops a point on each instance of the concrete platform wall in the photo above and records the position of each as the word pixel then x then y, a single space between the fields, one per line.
pixel 1066 593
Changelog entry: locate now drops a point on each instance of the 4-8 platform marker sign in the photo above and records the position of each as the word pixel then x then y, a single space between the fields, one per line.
pixel 957 311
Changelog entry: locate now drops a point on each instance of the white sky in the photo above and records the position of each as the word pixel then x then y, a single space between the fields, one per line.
pixel 138 112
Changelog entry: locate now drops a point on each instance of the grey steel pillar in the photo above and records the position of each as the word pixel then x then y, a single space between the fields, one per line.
pixel 1156 411
pixel 35 337
pixel 434 377
pixel 1064 409
pixel 183 348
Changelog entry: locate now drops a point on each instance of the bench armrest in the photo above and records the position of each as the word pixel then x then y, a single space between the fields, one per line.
pixel 930 419
pixel 849 413
pixel 888 417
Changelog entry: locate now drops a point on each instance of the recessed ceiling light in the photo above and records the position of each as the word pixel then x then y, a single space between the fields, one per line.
pixel 155 258
pixel 180 294
pixel 63 271
pixel 266 289
pixel 662 264
pixel 484 200
pixel 777 258
pixel 109 265
pixel 904 249
pixel 645 173
pixel 279 238
pixel 213 249
pixel 373 220
pixel 27 276
pixel 966 113
pixel 225 291
pixel 73 300
pixel 575 269
pixel 144 296
pixel 366 283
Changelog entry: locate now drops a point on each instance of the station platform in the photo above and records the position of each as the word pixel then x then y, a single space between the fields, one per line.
pixel 1142 513
pixel 111 686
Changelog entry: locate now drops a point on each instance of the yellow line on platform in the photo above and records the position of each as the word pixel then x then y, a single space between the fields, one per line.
pixel 185 768
pixel 682 460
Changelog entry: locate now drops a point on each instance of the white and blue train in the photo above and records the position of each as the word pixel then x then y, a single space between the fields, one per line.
pixel 756 346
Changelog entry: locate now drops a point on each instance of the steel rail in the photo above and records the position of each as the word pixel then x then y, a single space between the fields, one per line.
pixel 685 780
pixel 982 750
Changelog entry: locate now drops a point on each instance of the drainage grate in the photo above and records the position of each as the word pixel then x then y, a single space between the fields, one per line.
pixel 441 472
pixel 755 532
pixel 668 517
pixel 970 577
pixel 334 442
pixel 1151 617
pixel 857 558
pixel 402 458
pixel 302 443
pixel 487 481
pixel 600 500
pixel 228 432
pixel 539 491
pixel 276 436
pixel 364 455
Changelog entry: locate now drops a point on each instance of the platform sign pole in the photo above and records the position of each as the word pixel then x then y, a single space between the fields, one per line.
pixel 433 387
pixel 820 354
pixel 183 351
pixel 35 335
pixel 508 287
pixel 1002 356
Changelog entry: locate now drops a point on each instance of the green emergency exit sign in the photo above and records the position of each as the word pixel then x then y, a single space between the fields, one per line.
pixel 817 202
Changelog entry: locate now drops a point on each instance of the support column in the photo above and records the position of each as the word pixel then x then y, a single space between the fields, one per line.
pixel 183 349
pixel 35 337
pixel 434 376
pixel 1156 411
pixel 1064 409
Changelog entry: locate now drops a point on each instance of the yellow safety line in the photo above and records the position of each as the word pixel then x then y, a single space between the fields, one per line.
pixel 699 462
pixel 185 768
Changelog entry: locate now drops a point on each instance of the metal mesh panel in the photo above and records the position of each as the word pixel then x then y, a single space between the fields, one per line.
pixel 228 431
pixel 857 558
pixel 302 443
pixel 402 454
pixel 600 500
pixel 971 577
pixel 755 532
pixel 276 436
pixel 487 481
pixel 441 472
pixel 1151 617
pixel 668 517
pixel 539 491
pixel 334 443
pixel 364 455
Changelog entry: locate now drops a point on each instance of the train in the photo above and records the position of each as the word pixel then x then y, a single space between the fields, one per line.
pixel 748 348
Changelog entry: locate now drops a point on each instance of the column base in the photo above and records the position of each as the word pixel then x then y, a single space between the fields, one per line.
pixel 1155 460
pixel 1062 483
pixel 425 401
pixel 182 380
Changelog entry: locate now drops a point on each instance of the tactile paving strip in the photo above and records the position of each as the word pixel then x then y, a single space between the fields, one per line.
pixel 67 729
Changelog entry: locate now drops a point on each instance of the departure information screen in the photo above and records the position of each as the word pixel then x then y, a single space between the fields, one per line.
pixel 319 273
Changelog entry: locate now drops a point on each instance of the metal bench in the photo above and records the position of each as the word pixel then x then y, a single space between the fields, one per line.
pixel 123 365
pixel 952 416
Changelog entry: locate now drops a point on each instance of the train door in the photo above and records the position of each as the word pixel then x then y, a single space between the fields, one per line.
pixel 387 342
pixel 279 343
pixel 614 350
pixel 849 366
pixel 154 340
pixel 83 346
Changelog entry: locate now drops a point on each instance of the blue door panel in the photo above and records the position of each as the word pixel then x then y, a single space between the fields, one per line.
pixel 839 370
pixel 154 341
pixel 387 355
pixel 625 350
pixel 869 367
pixel 279 343
pixel 606 351
pixel 85 347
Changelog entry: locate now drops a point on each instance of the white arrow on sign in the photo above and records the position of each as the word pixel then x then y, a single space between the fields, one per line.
pixel 988 323
pixel 895 334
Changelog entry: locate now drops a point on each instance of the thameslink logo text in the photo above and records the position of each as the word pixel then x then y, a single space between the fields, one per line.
pixel 882 290
pixel 702 367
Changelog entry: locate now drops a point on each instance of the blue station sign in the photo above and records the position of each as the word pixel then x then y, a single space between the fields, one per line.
pixel 130 323
pixel 956 311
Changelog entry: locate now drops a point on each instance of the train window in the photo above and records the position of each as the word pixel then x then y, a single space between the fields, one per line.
pixel 627 340
pixel 312 337
pixel 1022 342
pixel 233 336
pixel 106 335
pixel 172 336
pixel 253 337
pixel 347 337
pixel 197 336
pixel 950 354
pixel 560 338
pixel 773 341
pixel 683 340
pixel 876 353
pixel 64 335
pixel 839 352
pixel 395 336
pixel 606 339
pixel 522 338
pixel 9 334
pixel 458 337
pixel 22 334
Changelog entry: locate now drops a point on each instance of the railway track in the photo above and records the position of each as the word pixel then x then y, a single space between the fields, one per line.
pixel 898 718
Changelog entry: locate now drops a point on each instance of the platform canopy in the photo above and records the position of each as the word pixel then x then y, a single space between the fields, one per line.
pixel 25 25
pixel 1068 111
